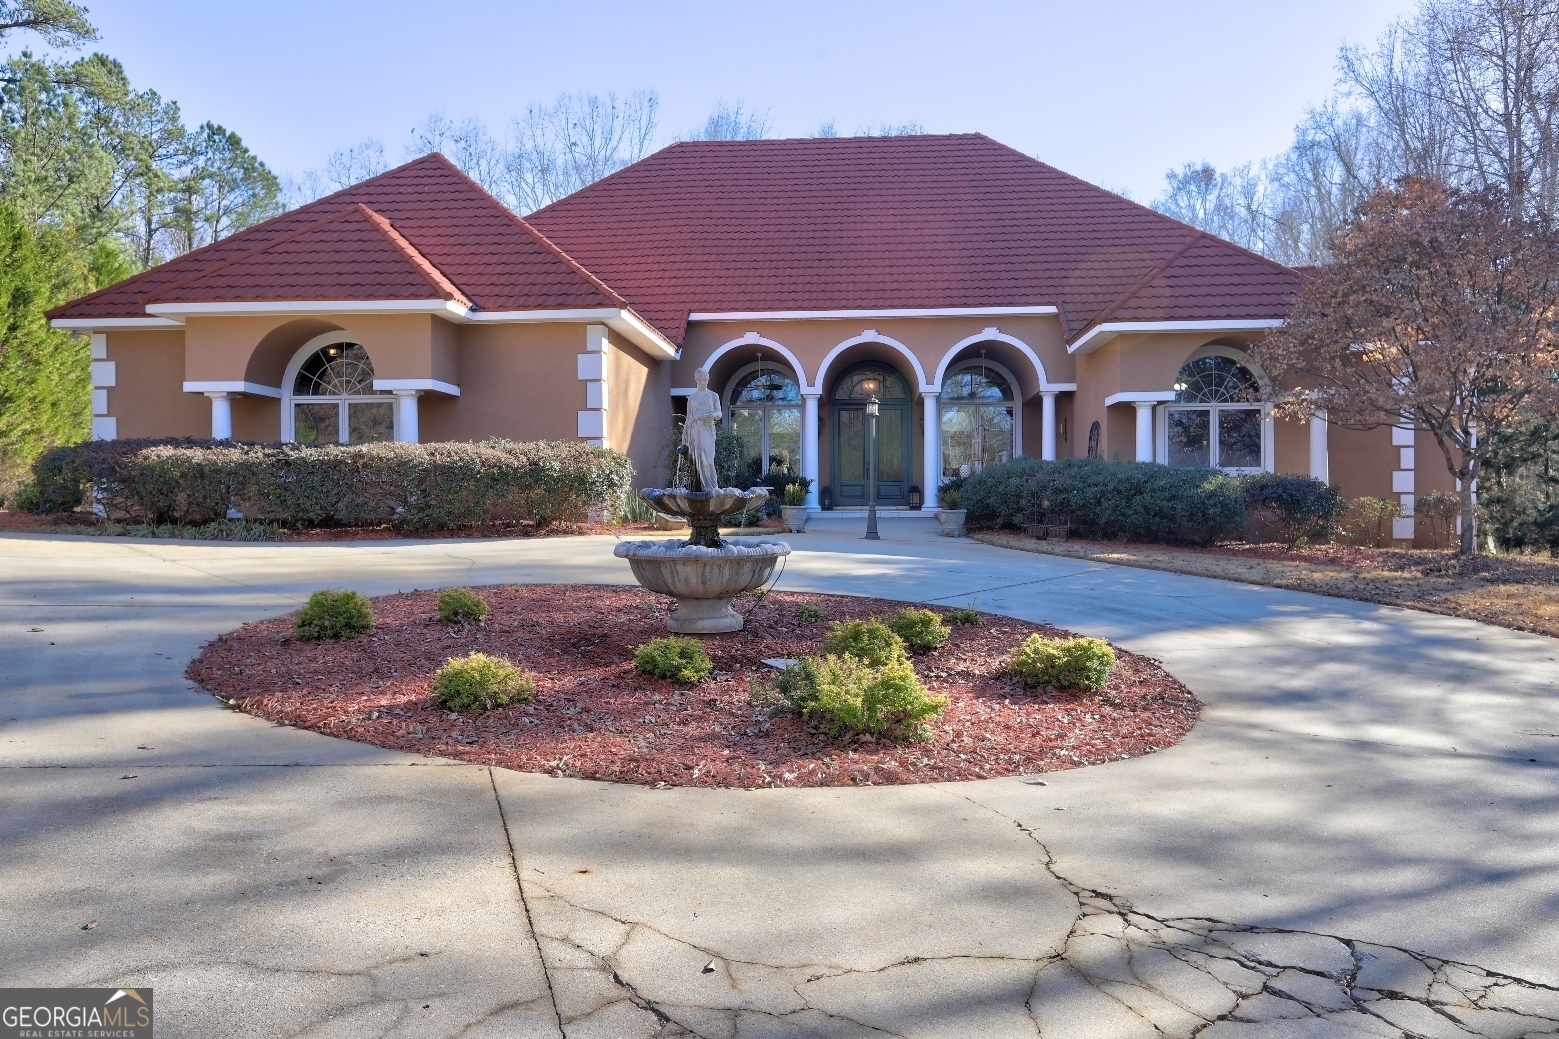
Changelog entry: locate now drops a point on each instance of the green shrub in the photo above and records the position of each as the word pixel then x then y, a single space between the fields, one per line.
pixel 869 641
pixel 681 660
pixel 1064 663
pixel 1440 509
pixel 416 486
pixel 461 605
pixel 796 494
pixel 478 682
pixel 1301 507
pixel 1137 501
pixel 809 614
pixel 330 614
pixel 964 615
pixel 949 497
pixel 921 630
pixel 845 696
pixel 1366 519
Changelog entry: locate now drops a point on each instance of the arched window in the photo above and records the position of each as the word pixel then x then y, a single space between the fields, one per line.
pixel 979 424
pixel 871 381
pixel 1216 419
pixel 765 405
pixel 332 399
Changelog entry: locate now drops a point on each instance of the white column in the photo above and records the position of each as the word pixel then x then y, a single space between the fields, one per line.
pixel 931 446
pixel 221 415
pixel 406 416
pixel 809 467
pixel 1047 425
pixel 1320 460
pixel 1144 430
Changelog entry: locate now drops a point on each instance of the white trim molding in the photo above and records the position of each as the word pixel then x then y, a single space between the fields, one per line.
pixel 622 321
pixel 420 385
pixel 1140 397
pixel 871 335
pixel 1100 334
pixel 832 315
pixel 233 386
pixel 755 340
pixel 260 308
pixel 112 324
pixel 996 335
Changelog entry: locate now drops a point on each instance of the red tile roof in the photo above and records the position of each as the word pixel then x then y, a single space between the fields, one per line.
pixel 833 224
pixel 469 243
pixel 352 255
pixel 894 222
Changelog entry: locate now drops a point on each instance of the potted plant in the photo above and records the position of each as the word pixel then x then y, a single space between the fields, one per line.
pixel 949 514
pixel 794 512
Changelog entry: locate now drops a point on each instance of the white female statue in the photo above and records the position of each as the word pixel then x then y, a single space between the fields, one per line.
pixel 698 432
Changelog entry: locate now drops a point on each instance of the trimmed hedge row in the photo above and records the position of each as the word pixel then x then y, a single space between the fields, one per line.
pixel 415 486
pixel 1139 501
pixel 1143 501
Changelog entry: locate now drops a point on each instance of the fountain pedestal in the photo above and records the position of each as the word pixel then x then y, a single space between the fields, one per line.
pixel 703 572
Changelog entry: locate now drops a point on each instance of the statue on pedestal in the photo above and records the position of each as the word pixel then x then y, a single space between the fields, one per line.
pixel 698 432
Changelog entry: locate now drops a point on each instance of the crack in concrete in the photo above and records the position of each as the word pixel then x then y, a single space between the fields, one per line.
pixel 530 923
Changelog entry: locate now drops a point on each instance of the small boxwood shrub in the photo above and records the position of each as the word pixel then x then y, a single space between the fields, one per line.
pixel 809 614
pixel 1302 508
pixel 679 659
pixel 870 641
pixel 1064 663
pixel 478 682
pixel 921 630
pixel 845 697
pixel 796 494
pixel 331 614
pixel 461 606
pixel 964 615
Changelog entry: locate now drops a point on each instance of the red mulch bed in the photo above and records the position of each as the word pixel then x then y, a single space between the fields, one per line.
pixel 595 717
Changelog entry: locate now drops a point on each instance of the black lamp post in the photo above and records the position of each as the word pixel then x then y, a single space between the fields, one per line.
pixel 871 469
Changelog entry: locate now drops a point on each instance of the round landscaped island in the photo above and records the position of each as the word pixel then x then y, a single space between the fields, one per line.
pixel 595 715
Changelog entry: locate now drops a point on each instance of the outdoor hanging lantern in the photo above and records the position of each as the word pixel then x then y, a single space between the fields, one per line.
pixel 914 496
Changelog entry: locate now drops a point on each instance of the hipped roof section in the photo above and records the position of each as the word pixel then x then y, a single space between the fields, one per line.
pixel 421 231
pixel 866 223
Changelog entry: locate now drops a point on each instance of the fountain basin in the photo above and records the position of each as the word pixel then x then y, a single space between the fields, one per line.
pixel 703 580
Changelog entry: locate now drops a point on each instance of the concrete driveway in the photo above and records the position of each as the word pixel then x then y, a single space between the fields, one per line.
pixel 1361 837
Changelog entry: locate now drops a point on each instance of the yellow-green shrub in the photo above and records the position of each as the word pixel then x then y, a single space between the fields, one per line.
pixel 1064 663
pixel 845 696
pixel 461 605
pixel 681 660
pixel 478 682
pixel 869 641
pixel 921 630
pixel 331 614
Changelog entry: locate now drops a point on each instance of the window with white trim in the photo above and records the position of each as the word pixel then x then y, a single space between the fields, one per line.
pixel 978 419
pixel 766 414
pixel 333 400
pixel 1216 418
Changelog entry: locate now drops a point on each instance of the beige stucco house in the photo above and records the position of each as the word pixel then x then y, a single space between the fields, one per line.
pixel 994 305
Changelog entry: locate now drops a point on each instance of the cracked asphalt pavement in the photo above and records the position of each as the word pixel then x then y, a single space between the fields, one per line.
pixel 1360 838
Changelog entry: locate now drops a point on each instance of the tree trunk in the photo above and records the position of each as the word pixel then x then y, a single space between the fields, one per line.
pixel 1469 537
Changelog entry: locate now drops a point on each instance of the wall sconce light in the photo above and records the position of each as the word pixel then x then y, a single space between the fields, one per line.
pixel 1063 429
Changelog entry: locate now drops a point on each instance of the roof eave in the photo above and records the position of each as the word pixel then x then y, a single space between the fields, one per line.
pixel 619 319
pixel 450 310
pixel 1099 335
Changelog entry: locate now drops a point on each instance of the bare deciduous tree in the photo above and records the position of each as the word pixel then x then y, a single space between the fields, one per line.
pixel 1440 311
pixel 731 121
pixel 356 162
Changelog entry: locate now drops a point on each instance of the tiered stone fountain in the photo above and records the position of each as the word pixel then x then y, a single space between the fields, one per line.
pixel 704 572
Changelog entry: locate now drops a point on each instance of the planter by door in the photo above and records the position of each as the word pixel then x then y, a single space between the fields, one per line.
pixel 848 437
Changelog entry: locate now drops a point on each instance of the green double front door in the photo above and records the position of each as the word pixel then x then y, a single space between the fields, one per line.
pixel 851 461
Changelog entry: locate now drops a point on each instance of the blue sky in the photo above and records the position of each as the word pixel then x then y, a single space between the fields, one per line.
pixel 1115 92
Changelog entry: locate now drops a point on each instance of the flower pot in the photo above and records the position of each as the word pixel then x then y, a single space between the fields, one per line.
pixel 952 521
pixel 795 518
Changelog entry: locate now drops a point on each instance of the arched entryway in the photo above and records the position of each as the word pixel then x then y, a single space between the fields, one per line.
pixel 763 407
pixel 848 428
